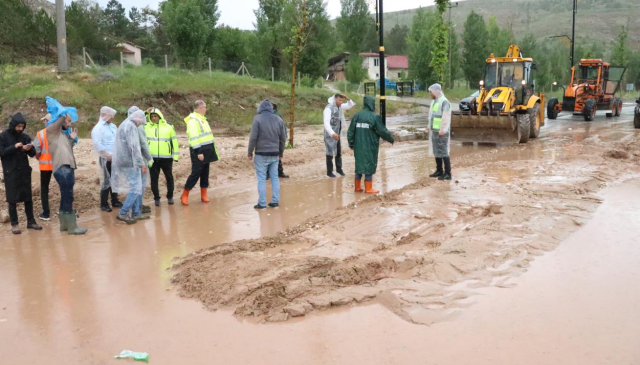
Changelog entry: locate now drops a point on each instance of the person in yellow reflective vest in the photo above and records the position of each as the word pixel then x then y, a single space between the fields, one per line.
pixel 202 149
pixel 440 132
pixel 164 149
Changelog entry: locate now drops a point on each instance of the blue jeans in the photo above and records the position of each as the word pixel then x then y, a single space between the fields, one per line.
pixel 144 187
pixel 367 177
pixel 132 203
pixel 262 165
pixel 66 178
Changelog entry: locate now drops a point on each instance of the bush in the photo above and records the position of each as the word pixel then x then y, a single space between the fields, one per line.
pixel 148 62
pixel 355 73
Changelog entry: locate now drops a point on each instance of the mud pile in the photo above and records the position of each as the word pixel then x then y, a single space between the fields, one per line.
pixel 420 250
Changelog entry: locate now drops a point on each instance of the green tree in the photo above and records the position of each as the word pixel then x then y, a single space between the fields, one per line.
pixel 499 38
pixel 16 28
pixel 354 72
pixel 354 24
pixel 419 44
pixel 476 47
pixel 440 45
pixel 621 53
pixel 270 32
pixel 455 59
pixel 231 44
pixel 188 30
pixel 396 40
pixel 115 19
pixel 45 31
pixel 320 40
pixel 85 28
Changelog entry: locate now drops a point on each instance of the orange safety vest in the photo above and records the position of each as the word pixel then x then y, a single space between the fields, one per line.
pixel 46 162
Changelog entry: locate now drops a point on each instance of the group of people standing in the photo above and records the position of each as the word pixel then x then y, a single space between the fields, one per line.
pixel 145 144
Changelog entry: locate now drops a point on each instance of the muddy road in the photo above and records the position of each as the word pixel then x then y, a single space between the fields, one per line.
pixel 530 257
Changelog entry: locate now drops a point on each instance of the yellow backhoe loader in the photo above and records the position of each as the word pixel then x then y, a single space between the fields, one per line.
pixel 507 110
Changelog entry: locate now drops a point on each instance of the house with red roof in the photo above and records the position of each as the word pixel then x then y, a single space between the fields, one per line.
pixel 131 53
pixel 398 67
pixel 395 66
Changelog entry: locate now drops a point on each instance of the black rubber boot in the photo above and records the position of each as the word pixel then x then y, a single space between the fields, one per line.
pixel 330 166
pixel 437 174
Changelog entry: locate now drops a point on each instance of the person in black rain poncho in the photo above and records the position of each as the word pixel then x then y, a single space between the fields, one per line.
pixel 15 150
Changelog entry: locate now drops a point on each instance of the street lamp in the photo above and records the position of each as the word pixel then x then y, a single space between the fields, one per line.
pixel 564 89
pixel 451 5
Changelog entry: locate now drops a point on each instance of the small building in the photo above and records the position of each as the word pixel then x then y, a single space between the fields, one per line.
pixel 397 65
pixel 337 66
pixel 371 63
pixel 131 53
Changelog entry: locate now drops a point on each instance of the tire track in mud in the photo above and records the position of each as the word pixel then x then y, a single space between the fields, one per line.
pixel 420 250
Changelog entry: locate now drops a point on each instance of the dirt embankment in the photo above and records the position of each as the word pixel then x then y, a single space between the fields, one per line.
pixel 420 250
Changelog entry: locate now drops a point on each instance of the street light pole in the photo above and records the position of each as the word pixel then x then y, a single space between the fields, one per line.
pixel 573 30
pixel 63 62
pixel 451 5
pixel 383 104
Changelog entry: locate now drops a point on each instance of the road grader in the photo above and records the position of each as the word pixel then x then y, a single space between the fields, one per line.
pixel 593 87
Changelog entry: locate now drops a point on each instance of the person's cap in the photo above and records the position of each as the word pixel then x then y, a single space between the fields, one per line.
pixel 46 117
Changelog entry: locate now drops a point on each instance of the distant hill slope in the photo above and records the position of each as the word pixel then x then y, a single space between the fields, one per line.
pixel 48 6
pixel 597 20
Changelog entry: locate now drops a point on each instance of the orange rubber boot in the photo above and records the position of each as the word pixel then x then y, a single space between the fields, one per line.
pixel 203 195
pixel 185 197
pixel 369 188
pixel 359 186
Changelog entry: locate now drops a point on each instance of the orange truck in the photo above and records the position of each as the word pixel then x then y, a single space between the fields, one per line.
pixel 593 87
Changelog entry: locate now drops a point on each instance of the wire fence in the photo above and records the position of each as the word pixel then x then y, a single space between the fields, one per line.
pixel 127 59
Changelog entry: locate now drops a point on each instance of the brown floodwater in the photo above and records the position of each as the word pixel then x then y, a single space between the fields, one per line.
pixel 81 300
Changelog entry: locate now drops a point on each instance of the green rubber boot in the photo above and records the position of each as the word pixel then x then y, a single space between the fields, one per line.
pixel 63 223
pixel 72 227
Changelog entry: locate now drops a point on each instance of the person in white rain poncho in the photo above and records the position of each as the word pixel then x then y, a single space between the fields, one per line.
pixel 333 118
pixel 144 145
pixel 440 132
pixel 128 166
pixel 103 136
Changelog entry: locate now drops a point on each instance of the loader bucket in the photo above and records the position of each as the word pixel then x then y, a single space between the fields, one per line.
pixel 466 127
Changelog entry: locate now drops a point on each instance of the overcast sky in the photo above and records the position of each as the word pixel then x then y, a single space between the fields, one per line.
pixel 239 13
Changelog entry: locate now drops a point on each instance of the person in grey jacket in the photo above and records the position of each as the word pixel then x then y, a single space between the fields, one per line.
pixel 267 141
pixel 144 147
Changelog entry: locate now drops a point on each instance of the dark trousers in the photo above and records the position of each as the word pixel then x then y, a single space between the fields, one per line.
pixel 66 178
pixel 367 177
pixel 338 161
pixel 447 164
pixel 45 179
pixel 13 212
pixel 166 165
pixel 199 171
pixel 104 194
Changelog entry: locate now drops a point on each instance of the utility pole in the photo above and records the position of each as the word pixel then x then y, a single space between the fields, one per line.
pixel 451 5
pixel 573 31
pixel 63 61
pixel 383 101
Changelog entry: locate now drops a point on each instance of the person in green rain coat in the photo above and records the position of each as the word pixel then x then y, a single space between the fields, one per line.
pixel 364 135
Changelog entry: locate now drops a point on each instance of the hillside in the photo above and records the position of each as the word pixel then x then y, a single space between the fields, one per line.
pixel 597 20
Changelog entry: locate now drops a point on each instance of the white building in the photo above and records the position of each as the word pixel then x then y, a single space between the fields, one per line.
pixel 371 63
pixel 131 53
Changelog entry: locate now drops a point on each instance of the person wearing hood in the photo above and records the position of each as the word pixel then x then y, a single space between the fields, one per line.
pixel 164 149
pixel 129 165
pixel 364 135
pixel 103 136
pixel 62 138
pixel 281 173
pixel 333 117
pixel 15 150
pixel 267 140
pixel 144 149
pixel 439 130
pixel 203 151
pixel 45 165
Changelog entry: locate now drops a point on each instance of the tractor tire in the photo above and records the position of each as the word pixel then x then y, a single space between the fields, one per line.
pixel 618 109
pixel 551 108
pixel 533 121
pixel 589 110
pixel 524 127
